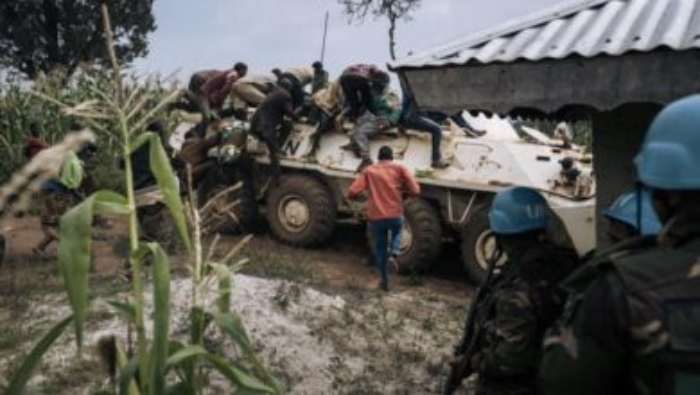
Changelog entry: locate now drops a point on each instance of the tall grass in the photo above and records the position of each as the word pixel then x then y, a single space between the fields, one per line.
pixel 159 364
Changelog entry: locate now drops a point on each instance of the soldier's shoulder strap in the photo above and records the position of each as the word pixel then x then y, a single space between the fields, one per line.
pixel 605 261
pixel 625 248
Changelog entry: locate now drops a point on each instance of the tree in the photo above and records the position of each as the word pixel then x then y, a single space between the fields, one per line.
pixel 393 10
pixel 41 35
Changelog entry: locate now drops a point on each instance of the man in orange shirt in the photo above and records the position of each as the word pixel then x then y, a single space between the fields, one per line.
pixel 386 183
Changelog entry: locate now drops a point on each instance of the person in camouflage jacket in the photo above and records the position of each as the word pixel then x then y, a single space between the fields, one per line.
pixel 523 299
pixel 632 321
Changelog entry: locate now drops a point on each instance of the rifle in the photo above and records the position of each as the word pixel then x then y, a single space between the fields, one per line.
pixel 461 367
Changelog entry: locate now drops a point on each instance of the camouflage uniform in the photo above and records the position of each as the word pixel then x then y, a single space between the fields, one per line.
pixel 524 301
pixel 632 322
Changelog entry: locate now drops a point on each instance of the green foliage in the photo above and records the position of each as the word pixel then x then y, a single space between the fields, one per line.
pixel 75 246
pixel 120 112
pixel 24 373
pixel 21 108
pixel 161 301
pixel 41 35
pixel 167 181
pixel 244 381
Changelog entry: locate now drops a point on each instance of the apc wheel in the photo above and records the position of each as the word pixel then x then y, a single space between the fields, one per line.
pixel 301 211
pixel 478 243
pixel 421 237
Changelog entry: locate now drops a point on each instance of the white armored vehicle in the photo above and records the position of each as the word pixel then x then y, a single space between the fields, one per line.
pixel 307 202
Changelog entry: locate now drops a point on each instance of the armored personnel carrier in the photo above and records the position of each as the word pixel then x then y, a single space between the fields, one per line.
pixel 303 207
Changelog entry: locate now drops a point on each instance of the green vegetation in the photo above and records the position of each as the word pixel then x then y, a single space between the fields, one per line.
pixel 41 36
pixel 21 109
pixel 159 363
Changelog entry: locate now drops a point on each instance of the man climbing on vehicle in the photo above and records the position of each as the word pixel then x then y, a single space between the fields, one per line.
pixel 327 112
pixel 631 326
pixel 410 119
pixel 301 77
pixel 268 118
pixel 321 79
pixel 386 183
pixel 356 82
pixel 381 116
pixel 520 301
pixel 208 89
pixel 250 91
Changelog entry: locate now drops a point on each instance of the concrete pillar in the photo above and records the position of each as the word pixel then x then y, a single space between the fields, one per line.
pixel 617 137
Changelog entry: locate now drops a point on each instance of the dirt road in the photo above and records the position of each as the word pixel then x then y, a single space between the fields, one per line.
pixel 314 316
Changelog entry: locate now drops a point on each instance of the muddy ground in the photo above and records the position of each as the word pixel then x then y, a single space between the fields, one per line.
pixel 314 315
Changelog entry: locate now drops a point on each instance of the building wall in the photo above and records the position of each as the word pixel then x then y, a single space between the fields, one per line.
pixel 617 138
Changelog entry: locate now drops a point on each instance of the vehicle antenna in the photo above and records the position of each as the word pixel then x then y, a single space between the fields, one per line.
pixel 325 35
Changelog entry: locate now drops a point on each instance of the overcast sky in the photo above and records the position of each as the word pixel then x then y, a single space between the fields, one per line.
pixel 205 34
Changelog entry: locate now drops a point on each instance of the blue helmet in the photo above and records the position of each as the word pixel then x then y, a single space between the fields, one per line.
pixel 624 210
pixel 518 210
pixel 670 156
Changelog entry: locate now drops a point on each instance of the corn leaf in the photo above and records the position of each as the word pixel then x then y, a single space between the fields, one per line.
pixel 161 297
pixel 127 376
pixel 161 319
pixel 167 181
pixel 232 324
pixel 236 376
pixel 185 372
pixel 123 365
pixel 24 373
pixel 243 380
pixel 185 354
pixel 125 309
pixel 75 232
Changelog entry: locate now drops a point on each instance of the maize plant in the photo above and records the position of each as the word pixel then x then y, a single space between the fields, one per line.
pixel 22 110
pixel 159 364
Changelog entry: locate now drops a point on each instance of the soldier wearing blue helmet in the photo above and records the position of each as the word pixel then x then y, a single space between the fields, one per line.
pixel 631 215
pixel 519 301
pixel 633 327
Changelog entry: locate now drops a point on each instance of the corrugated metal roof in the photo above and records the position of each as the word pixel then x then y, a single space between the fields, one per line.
pixel 583 27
